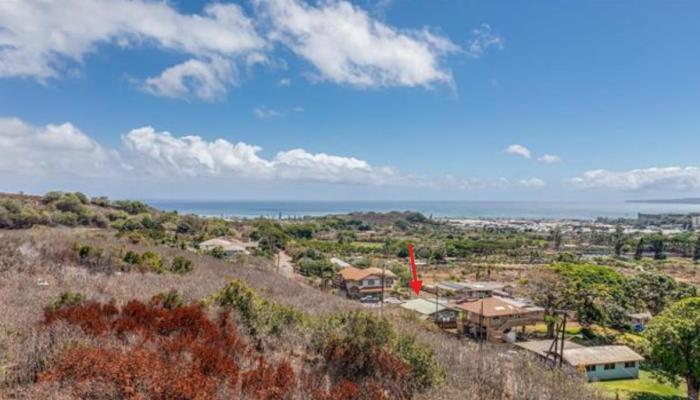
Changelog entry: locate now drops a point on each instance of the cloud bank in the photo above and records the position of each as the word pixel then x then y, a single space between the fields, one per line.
pixel 344 44
pixel 655 178
pixel 42 39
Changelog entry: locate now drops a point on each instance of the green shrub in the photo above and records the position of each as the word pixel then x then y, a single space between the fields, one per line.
pixel 218 252
pixel 101 201
pixel 181 265
pixel 258 315
pixel 51 197
pixel 132 207
pixel 65 218
pixel 151 261
pixel 67 299
pixel 69 202
pixel 170 300
pixel 132 258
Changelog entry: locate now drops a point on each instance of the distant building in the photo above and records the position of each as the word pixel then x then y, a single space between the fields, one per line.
pixel 230 247
pixel 600 363
pixel 695 222
pixel 473 290
pixel 436 311
pixel 359 283
pixel 637 321
pixel 338 262
pixel 496 318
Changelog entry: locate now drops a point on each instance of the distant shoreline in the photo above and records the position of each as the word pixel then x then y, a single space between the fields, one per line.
pixel 690 200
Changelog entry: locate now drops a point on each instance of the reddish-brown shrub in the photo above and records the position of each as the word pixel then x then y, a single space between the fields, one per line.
pixel 181 354
pixel 268 382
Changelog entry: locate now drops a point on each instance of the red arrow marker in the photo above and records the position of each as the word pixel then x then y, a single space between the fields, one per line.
pixel 415 283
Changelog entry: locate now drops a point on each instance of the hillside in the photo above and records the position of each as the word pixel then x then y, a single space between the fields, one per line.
pixel 57 284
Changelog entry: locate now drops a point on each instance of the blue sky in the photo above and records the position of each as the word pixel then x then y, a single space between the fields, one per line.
pixel 375 100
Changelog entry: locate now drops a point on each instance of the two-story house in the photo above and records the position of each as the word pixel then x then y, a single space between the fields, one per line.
pixel 496 318
pixel 359 283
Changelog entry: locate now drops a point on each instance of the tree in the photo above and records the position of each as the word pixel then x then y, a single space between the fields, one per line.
pixel 548 290
pixel 639 250
pixel 619 240
pixel 593 291
pixel 651 291
pixel 673 344
pixel 658 245
pixel 556 238
pixel 696 253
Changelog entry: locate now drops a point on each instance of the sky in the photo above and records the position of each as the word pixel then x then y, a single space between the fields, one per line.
pixel 339 100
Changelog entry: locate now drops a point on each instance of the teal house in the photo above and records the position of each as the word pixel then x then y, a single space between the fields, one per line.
pixel 605 363
pixel 599 363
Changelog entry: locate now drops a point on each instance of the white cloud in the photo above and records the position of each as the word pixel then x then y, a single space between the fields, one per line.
pixel 483 38
pixel 549 159
pixel 60 151
pixel 655 178
pixel 485 183
pixel 51 149
pixel 518 150
pixel 264 112
pixel 165 154
pixel 209 81
pixel 348 46
pixel 39 39
pixel 532 183
pixel 63 150
pixel 284 82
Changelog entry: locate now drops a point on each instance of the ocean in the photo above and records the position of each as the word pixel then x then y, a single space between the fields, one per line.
pixel 438 209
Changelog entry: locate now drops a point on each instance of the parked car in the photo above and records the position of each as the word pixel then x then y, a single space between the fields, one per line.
pixel 369 299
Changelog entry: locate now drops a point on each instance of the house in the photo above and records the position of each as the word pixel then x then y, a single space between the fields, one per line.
pixel 479 290
pixel 600 363
pixel 471 290
pixel 338 262
pixel 230 247
pixel 360 283
pixel 496 318
pixel 637 321
pixel 436 311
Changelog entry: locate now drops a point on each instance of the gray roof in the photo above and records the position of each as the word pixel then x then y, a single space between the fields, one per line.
pixel 600 355
pixel 485 285
pixel 576 354
pixel 423 306
pixel 541 347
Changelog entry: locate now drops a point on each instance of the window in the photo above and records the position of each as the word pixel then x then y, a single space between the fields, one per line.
pixel 372 282
pixel 590 368
pixel 609 366
pixel 630 364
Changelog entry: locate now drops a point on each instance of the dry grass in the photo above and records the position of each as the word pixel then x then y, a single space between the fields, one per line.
pixel 36 266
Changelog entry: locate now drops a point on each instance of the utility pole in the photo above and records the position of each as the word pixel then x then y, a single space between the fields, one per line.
pixel 381 305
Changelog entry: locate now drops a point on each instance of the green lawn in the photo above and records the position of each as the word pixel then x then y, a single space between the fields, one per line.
pixel 645 384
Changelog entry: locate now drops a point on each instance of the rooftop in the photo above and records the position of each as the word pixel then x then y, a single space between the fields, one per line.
pixel 423 306
pixel 498 306
pixel 357 274
pixel 600 355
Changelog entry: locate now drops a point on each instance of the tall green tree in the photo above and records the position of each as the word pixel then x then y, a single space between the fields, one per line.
pixel 696 252
pixel 653 292
pixel 594 292
pixel 548 290
pixel 618 240
pixel 673 344
pixel 639 250
pixel 658 245
pixel 557 238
